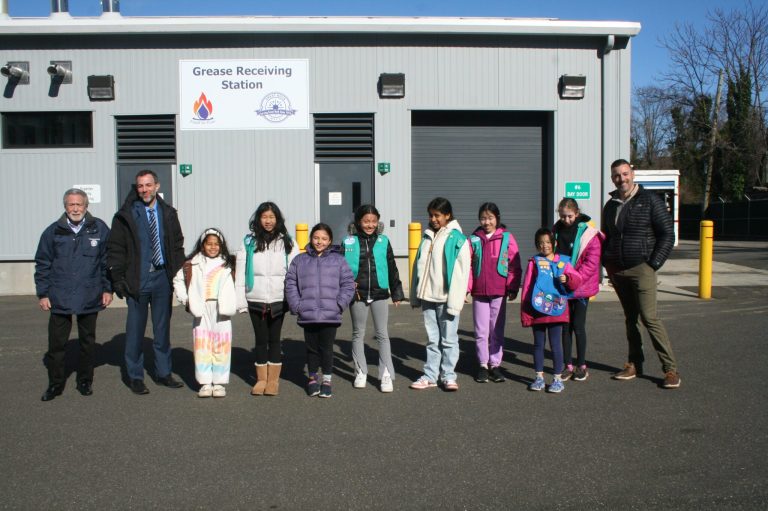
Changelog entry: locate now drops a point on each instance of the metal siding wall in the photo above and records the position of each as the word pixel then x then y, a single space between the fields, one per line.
pixel 617 112
pixel 468 77
pixel 233 171
pixel 527 78
pixel 577 134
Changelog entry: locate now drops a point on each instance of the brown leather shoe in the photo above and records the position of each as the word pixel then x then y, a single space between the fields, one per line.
pixel 671 380
pixel 629 372
pixel 261 380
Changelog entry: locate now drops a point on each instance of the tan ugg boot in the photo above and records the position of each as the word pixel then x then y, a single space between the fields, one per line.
pixel 261 380
pixel 273 379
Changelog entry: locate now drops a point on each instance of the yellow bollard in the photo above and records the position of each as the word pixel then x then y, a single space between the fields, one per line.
pixel 302 236
pixel 414 239
pixel 706 242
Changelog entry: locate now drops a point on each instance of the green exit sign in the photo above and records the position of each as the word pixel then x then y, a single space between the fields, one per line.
pixel 185 169
pixel 384 167
pixel 578 190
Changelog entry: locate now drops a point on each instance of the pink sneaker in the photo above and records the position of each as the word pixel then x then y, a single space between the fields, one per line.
pixel 423 383
pixel 451 386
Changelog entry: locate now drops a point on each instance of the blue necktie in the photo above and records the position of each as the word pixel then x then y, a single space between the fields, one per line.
pixel 157 258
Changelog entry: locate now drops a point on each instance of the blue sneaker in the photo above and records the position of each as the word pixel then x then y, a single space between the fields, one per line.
pixel 556 387
pixel 325 389
pixel 537 384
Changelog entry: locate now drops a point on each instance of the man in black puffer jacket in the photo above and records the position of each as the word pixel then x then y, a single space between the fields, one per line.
pixel 639 237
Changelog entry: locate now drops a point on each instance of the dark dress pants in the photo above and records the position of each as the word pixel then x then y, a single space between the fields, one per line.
pixel 59 327
pixel 157 292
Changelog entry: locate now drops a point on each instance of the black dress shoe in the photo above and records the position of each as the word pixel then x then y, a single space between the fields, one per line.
pixel 85 388
pixel 51 392
pixel 138 387
pixel 169 382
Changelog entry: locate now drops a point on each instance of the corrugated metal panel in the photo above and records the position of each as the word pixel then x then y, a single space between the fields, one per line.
pixel 500 160
pixel 577 137
pixel 342 136
pixel 234 171
pixel 146 138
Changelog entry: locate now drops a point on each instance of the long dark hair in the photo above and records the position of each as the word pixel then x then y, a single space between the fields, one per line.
pixel 224 252
pixel 264 238
pixel 493 209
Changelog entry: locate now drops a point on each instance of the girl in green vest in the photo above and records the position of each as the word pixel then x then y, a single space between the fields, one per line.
pixel 372 261
pixel 439 287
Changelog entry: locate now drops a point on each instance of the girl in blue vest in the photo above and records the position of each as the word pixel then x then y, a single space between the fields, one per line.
pixel 369 255
pixel 544 306
pixel 439 286
pixel 495 276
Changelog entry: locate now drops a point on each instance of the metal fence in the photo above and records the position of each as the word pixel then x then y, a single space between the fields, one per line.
pixel 745 220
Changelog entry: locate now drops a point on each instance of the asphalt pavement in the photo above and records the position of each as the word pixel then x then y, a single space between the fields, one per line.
pixel 601 444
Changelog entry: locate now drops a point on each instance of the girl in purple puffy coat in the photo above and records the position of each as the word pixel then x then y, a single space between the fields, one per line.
pixel 318 286
pixel 578 239
pixel 495 277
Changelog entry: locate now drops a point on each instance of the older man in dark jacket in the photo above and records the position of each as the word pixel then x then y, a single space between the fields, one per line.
pixel 639 238
pixel 71 278
pixel 146 249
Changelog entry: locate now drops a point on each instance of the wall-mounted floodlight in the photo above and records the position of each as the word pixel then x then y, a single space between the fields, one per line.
pixel 572 86
pixel 17 72
pixel 101 88
pixel 61 71
pixel 391 85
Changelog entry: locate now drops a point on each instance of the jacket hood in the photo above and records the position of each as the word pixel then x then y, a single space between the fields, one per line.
pixel 497 233
pixel 312 252
pixel 615 194
pixel 582 218
pixel 453 224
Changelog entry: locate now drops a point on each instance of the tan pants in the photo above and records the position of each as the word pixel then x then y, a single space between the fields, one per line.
pixel 636 289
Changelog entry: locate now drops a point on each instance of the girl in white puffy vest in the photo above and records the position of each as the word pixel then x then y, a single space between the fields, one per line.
pixel 205 285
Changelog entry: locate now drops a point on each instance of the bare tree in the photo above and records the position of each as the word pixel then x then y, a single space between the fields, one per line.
pixel 736 43
pixel 651 126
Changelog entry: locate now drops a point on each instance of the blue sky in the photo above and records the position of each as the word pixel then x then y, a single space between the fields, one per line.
pixel 649 61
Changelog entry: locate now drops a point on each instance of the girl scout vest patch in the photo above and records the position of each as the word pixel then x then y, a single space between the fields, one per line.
pixel 549 296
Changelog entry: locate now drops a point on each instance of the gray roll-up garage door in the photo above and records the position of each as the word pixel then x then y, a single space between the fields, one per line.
pixel 478 157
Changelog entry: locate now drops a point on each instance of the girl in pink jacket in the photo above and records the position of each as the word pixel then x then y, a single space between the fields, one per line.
pixel 495 276
pixel 548 282
pixel 583 243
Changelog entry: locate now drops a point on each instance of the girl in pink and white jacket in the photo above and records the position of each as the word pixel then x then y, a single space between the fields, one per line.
pixel 495 276
pixel 577 238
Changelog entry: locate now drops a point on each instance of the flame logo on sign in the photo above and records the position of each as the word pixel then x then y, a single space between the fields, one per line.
pixel 203 107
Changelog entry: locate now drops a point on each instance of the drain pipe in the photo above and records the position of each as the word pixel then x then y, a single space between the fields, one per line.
pixel 60 9
pixel 110 8
pixel 610 42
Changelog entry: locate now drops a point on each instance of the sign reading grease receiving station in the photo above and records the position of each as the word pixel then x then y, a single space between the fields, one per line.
pixel 244 94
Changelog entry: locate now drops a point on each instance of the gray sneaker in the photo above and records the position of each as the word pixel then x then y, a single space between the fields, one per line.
pixel 580 374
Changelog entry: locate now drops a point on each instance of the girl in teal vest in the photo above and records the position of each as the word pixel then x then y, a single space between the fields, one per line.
pixel 439 286
pixel 495 277
pixel 372 261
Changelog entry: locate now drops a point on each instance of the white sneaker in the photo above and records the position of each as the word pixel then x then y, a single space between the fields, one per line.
pixel 205 391
pixel 386 383
pixel 360 380
pixel 219 391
